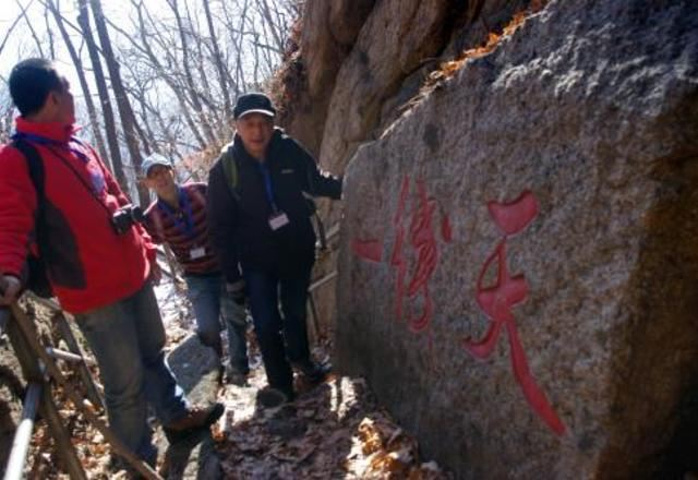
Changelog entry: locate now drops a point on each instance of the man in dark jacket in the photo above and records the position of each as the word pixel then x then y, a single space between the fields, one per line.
pixel 260 222
pixel 98 268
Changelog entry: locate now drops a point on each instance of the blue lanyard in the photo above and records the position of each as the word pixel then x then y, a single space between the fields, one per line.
pixel 185 225
pixel 96 174
pixel 268 186
pixel 51 142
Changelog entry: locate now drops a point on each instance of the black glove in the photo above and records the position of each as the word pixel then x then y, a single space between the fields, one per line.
pixel 237 291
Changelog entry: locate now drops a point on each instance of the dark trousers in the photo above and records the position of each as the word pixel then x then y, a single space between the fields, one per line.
pixel 281 339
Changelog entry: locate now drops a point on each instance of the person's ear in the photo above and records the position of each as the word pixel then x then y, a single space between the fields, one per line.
pixel 53 98
pixel 52 103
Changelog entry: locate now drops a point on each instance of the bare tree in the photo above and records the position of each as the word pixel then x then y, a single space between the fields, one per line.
pixel 191 90
pixel 107 112
pixel 6 110
pixel 29 24
pixel 218 60
pixel 144 46
pixel 54 8
pixel 271 24
pixel 173 74
pixel 122 101
pixel 49 33
pixel 8 32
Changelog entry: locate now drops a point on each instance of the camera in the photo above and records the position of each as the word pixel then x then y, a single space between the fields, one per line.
pixel 125 217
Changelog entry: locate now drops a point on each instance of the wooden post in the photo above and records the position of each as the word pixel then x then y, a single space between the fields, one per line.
pixel 92 392
pixel 314 315
pixel 21 344
pixel 4 317
pixel 27 328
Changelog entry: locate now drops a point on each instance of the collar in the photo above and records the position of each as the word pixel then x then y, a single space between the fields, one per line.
pixel 52 130
pixel 163 204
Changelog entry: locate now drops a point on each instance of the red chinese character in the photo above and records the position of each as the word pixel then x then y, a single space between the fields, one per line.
pixel 422 239
pixel 498 300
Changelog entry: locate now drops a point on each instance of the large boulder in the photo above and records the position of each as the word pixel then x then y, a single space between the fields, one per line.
pixel 196 368
pixel 518 266
pixel 358 65
pixel 395 38
pixel 328 34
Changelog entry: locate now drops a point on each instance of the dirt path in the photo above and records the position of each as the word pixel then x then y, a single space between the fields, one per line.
pixel 333 430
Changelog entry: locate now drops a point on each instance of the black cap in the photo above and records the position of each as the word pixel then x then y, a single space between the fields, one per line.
pixel 253 103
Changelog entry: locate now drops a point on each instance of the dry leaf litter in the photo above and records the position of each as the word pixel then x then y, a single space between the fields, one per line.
pixel 332 430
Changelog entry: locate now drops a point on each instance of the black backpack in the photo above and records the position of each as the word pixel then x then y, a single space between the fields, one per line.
pixel 35 271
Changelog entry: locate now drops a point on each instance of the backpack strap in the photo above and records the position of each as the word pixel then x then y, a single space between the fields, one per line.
pixel 35 164
pixel 36 266
pixel 230 170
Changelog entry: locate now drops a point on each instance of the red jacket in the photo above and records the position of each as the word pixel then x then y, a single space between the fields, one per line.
pixel 89 265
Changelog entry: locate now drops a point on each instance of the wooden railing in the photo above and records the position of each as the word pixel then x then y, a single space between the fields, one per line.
pixel 38 362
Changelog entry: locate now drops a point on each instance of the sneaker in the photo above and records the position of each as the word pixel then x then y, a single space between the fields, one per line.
pixel 273 397
pixel 314 372
pixel 195 419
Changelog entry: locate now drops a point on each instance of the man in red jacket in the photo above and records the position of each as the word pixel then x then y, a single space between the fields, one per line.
pixel 98 267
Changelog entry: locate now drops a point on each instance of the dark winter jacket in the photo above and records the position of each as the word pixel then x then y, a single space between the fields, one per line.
pixel 239 214
pixel 89 265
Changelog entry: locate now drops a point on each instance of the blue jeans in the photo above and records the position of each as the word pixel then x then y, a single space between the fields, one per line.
pixel 212 302
pixel 127 338
pixel 280 340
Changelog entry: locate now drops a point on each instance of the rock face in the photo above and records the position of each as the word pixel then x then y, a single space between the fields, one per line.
pixel 358 63
pixel 330 29
pixel 518 264
pixel 196 368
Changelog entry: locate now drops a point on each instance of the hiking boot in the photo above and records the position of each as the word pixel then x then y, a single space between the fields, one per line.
pixel 195 419
pixel 314 372
pixel 273 397
pixel 235 377
pixel 120 468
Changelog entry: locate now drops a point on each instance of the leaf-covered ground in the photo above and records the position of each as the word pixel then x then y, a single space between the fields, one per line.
pixel 332 430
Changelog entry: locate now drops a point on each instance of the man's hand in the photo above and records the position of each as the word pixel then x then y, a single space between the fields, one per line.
pixel 10 286
pixel 236 291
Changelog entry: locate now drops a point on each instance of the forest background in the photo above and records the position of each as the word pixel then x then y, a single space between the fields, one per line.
pixel 150 76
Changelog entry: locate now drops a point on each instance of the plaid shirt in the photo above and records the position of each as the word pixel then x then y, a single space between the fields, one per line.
pixel 167 225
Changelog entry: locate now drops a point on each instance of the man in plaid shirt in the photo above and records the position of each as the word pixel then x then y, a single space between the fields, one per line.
pixel 178 219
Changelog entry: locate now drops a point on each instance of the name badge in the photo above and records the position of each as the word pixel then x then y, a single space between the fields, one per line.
pixel 277 221
pixel 196 253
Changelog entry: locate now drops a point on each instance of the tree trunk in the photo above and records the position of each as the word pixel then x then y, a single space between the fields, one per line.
pixel 107 112
pixel 193 95
pixel 77 62
pixel 144 46
pixel 220 68
pixel 122 101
